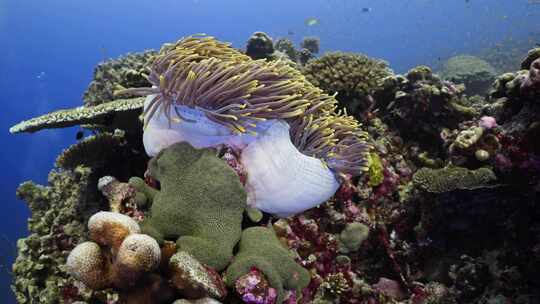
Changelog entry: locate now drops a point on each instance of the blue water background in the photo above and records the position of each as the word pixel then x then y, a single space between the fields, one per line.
pixel 49 49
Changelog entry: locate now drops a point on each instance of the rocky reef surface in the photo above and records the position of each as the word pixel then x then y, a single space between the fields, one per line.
pixel 446 211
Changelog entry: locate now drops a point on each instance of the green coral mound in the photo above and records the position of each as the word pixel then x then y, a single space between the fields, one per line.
pixel 200 204
pixel 114 74
pixel 57 224
pixel 352 76
pixel 352 237
pixel 452 178
pixel 261 248
pixel 475 73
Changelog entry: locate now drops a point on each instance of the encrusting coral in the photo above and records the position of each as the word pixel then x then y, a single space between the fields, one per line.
pixel 452 178
pixel 205 220
pixel 352 76
pixel 261 248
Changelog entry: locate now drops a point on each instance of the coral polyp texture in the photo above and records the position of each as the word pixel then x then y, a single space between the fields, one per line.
pixel 352 76
pixel 205 221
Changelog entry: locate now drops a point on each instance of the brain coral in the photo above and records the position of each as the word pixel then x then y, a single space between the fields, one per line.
pixel 118 255
pixel 352 76
pixel 475 73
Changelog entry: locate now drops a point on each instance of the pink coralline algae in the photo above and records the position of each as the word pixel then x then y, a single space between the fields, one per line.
pixel 487 122
pixel 253 288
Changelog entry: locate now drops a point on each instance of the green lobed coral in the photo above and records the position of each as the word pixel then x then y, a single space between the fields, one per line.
pixel 452 178
pixel 260 248
pixel 475 73
pixel 57 224
pixel 114 74
pixel 199 205
pixel 352 76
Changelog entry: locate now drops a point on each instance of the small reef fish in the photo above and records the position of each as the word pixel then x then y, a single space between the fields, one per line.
pixel 312 21
pixel 366 9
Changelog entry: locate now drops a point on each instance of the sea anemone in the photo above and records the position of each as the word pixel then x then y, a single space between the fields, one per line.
pixel 206 93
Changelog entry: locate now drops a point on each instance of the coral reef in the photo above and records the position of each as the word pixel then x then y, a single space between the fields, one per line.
pixel 312 44
pixel 260 46
pixel 451 178
pixel 531 84
pixel 353 77
pixel 115 74
pixel 531 56
pixel 57 224
pixel 475 73
pixel 420 105
pixel 445 210
pixel 286 46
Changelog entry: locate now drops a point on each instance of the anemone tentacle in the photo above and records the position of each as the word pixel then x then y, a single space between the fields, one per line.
pixel 237 92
